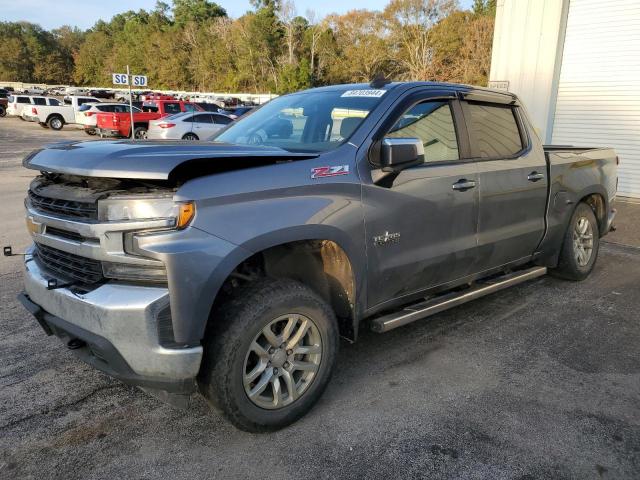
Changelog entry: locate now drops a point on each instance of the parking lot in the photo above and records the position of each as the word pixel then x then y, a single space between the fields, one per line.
pixel 539 381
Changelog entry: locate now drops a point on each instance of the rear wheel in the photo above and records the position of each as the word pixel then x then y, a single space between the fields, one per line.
pixel 3 111
pixel 140 133
pixel 190 136
pixel 269 355
pixel 90 131
pixel 580 246
pixel 55 123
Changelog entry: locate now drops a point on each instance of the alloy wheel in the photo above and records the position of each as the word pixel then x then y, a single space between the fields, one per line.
pixel 583 241
pixel 282 361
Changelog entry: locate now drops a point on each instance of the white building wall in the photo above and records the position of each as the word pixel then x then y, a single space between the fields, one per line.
pixel 598 99
pixel 527 44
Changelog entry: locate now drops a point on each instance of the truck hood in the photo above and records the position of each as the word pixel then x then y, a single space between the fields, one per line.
pixel 145 160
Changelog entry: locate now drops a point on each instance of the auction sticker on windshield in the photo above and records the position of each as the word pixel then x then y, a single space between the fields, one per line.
pixel 364 93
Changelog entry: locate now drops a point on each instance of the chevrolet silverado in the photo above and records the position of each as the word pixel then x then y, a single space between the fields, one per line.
pixel 232 268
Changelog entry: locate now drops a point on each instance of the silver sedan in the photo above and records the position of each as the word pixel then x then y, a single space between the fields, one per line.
pixel 187 126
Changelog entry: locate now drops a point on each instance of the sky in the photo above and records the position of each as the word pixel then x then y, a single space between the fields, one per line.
pixel 84 13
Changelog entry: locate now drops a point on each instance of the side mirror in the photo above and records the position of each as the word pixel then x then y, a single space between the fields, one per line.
pixel 396 154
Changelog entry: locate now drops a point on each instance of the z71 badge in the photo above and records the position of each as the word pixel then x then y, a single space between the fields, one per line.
pixel 334 171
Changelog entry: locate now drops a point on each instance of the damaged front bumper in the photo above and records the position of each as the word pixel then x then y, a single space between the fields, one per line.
pixel 114 328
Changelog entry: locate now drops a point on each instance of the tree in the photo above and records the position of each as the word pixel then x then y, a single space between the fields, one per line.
pixel 409 23
pixel 185 11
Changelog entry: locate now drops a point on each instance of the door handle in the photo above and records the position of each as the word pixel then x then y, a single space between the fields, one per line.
pixel 463 185
pixel 535 176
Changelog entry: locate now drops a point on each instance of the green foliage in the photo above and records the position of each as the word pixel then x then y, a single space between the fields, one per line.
pixel 185 11
pixel 193 45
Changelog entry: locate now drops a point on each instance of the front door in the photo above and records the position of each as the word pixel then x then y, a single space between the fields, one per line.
pixel 513 184
pixel 421 223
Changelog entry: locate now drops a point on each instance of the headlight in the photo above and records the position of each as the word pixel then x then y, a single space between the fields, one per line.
pixel 136 273
pixel 119 209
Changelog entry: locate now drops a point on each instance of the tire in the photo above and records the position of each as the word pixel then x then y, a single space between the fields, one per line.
pixel 576 263
pixel 140 133
pixel 55 122
pixel 90 131
pixel 190 136
pixel 3 111
pixel 230 355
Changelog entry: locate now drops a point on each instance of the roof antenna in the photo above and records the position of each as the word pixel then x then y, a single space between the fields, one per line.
pixel 379 81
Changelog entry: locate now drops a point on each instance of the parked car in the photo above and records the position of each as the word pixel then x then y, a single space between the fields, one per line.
pixel 18 103
pixel 56 116
pixel 8 89
pixel 209 107
pixel 4 93
pixel 75 91
pixel 86 115
pixel 188 126
pixel 34 90
pixel 156 96
pixel 238 111
pixel 101 93
pixel 232 269
pixel 3 107
pixel 119 124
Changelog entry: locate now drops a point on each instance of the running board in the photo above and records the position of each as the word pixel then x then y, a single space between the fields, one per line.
pixel 430 307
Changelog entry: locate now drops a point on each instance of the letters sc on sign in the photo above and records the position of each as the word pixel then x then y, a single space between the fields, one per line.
pixel 123 79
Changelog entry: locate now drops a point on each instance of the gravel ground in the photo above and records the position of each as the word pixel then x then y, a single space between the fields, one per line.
pixel 540 381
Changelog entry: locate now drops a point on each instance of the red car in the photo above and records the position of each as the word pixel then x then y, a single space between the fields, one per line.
pixel 119 124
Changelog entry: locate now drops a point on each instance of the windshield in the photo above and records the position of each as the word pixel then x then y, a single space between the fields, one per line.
pixel 306 122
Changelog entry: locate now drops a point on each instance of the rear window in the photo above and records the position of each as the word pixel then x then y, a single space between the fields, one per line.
pixel 39 101
pixel 172 107
pixel 494 131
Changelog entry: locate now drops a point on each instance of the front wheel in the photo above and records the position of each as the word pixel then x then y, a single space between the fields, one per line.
pixel 580 246
pixel 269 355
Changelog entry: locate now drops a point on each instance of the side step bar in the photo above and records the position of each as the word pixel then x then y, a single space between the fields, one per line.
pixel 430 307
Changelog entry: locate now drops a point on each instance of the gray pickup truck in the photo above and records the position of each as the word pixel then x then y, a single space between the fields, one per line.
pixel 232 268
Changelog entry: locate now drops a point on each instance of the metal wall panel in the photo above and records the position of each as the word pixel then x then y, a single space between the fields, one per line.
pixel 598 97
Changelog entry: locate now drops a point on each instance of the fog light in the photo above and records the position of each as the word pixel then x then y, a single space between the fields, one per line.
pixel 135 273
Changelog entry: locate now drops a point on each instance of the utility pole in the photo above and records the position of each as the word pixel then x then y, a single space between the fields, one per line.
pixel 129 80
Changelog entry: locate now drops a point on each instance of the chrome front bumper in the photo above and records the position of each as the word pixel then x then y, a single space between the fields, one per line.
pixel 117 315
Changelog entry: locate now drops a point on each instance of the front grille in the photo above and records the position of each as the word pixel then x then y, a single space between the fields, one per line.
pixel 58 232
pixel 66 208
pixel 69 266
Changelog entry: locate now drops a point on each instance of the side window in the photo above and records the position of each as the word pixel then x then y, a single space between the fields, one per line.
pixel 222 120
pixel 39 101
pixel 205 118
pixel 493 130
pixel 23 100
pixel 189 108
pixel 432 123
pixel 53 102
pixel 172 108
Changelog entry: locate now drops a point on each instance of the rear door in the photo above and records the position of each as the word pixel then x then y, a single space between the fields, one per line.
pixel 512 181
pixel 421 222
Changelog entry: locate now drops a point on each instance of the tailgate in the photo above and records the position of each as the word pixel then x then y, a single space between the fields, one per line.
pixel 108 121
